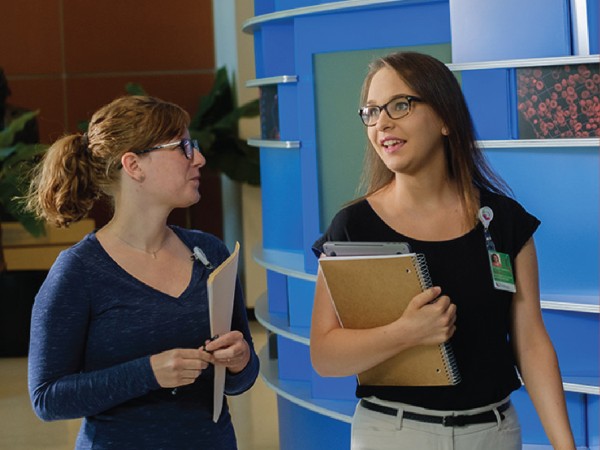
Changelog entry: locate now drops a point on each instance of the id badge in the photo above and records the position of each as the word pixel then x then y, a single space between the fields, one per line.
pixel 502 273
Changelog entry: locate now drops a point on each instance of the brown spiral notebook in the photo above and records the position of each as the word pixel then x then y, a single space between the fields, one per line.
pixel 371 291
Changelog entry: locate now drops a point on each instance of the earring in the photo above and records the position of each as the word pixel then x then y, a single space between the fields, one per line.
pixel 445 131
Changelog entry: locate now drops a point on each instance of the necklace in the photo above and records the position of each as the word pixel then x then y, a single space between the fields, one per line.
pixel 148 252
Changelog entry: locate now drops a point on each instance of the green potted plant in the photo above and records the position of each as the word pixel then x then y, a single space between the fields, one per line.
pixel 215 126
pixel 19 149
pixel 16 160
pixel 18 154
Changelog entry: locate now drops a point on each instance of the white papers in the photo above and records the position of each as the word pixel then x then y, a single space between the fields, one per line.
pixel 221 291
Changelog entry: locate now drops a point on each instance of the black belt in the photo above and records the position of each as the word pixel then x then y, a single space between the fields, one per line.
pixel 447 421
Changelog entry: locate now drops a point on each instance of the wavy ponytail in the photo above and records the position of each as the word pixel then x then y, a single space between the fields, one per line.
pixel 63 188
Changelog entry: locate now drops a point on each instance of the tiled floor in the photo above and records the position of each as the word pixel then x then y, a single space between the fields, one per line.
pixel 254 413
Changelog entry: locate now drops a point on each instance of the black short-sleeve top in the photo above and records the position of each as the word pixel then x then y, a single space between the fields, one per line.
pixel 460 266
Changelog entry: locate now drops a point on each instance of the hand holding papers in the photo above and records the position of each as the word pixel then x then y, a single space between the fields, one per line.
pixel 221 292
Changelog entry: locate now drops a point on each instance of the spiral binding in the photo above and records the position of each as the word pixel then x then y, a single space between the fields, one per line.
pixel 423 271
pixel 448 357
pixel 450 363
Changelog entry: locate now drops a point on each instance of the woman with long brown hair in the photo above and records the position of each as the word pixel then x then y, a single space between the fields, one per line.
pixel 428 184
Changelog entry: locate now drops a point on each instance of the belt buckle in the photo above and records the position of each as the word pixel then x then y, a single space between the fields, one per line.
pixel 454 421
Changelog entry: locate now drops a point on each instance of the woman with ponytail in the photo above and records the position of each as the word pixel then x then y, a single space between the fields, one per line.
pixel 120 329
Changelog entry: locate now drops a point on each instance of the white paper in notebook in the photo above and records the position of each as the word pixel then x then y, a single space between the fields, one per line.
pixel 221 292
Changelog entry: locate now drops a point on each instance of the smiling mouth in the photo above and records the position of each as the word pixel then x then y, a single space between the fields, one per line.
pixel 392 144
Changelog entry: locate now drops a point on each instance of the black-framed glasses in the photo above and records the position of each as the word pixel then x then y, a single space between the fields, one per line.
pixel 396 108
pixel 187 146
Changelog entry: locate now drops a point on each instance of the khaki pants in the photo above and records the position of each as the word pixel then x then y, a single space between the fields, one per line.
pixel 372 430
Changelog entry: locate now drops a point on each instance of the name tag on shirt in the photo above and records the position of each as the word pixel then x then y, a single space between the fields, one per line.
pixel 502 273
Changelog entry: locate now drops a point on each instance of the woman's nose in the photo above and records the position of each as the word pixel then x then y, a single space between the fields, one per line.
pixel 384 120
pixel 199 159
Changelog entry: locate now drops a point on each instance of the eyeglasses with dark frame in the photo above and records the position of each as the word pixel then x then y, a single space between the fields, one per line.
pixel 399 107
pixel 187 146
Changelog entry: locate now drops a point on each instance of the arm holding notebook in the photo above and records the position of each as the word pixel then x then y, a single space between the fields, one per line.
pixel 337 351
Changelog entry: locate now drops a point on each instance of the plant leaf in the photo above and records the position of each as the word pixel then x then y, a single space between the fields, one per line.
pixel 83 125
pixel 135 89
pixel 32 224
pixel 216 104
pixel 5 152
pixel 231 120
pixel 7 135
pixel 11 192
pixel 21 153
pixel 16 159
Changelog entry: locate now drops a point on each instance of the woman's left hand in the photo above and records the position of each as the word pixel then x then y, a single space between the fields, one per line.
pixel 230 350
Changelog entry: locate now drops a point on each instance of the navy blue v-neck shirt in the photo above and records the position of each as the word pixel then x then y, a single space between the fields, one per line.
pixel 94 328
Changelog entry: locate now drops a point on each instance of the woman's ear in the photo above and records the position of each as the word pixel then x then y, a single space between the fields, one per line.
pixel 131 166
pixel 445 131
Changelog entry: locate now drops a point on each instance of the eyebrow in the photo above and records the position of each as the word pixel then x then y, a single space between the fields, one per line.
pixel 393 97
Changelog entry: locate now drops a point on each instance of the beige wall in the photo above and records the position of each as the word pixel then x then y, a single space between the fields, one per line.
pixel 255 275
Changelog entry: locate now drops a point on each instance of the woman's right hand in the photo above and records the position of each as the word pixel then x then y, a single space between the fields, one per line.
pixel 429 318
pixel 178 367
pixel 336 351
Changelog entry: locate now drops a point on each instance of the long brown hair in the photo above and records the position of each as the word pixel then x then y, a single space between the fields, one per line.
pixel 79 168
pixel 436 85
